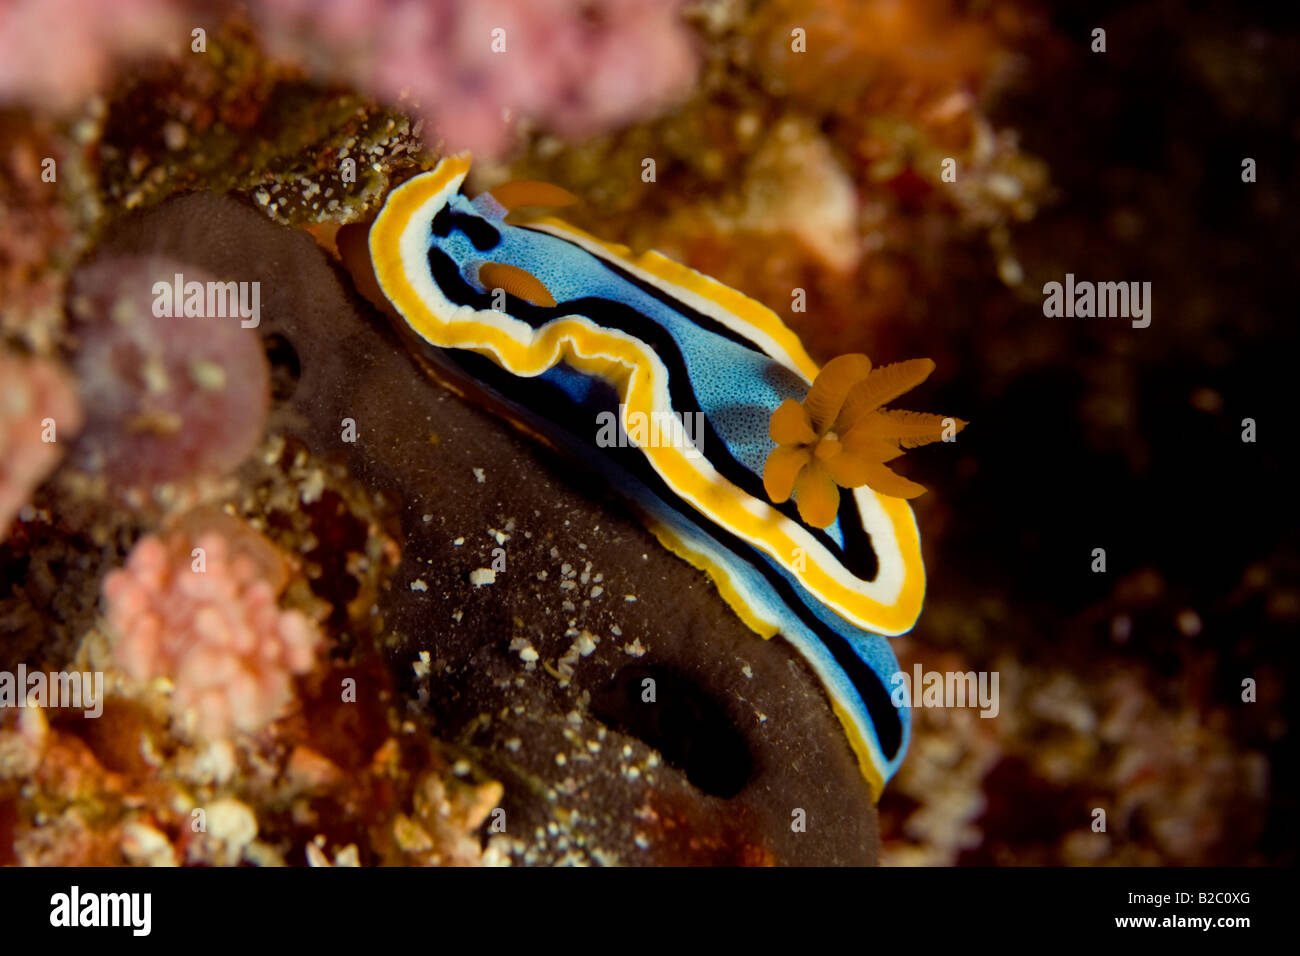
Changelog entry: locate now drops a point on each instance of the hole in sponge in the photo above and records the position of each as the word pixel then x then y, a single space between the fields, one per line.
pixel 286 367
pixel 690 729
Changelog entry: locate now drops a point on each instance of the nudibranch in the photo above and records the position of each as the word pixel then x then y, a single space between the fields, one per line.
pixel 564 332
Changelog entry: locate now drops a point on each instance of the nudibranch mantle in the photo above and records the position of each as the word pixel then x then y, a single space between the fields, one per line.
pixel 652 338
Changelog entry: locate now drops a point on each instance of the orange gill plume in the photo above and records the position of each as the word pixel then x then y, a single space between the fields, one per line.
pixel 841 435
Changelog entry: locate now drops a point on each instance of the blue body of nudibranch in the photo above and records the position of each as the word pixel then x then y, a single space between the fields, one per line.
pixel 639 334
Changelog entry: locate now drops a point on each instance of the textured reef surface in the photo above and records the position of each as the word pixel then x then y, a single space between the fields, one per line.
pixel 421 634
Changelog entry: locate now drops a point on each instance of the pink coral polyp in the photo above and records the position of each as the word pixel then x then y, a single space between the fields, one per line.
pixel 207 619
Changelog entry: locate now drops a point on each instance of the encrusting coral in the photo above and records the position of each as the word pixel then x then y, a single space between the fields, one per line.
pixel 841 435
pixel 198 607
pixel 333 783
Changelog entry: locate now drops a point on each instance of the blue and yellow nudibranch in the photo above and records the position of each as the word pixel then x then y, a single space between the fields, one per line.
pixel 561 328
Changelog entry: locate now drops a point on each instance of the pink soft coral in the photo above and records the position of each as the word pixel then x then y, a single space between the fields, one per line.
pixel 37 402
pixel 55 53
pixel 217 632
pixel 575 67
